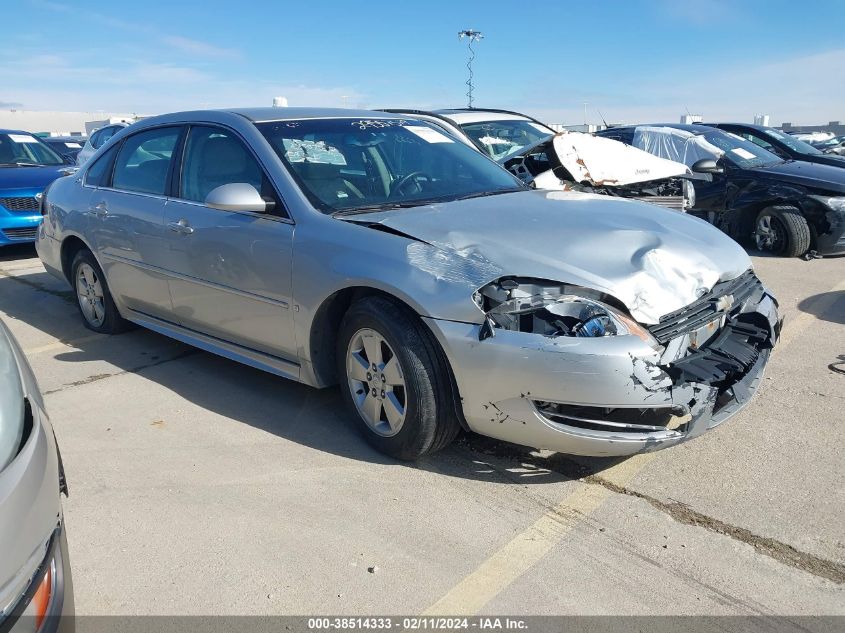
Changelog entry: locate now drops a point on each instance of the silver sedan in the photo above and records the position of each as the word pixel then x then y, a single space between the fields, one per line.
pixel 376 251
pixel 36 592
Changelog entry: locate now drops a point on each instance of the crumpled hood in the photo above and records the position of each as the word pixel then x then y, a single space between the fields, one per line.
pixel 825 178
pixel 30 177
pixel 604 161
pixel 653 260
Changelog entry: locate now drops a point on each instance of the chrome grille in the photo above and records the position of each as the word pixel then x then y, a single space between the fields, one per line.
pixel 704 310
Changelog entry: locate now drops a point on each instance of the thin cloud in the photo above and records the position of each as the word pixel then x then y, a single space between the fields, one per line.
pixel 800 90
pixel 190 46
pixel 198 48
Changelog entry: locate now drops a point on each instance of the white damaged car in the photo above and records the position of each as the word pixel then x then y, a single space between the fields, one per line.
pixel 566 161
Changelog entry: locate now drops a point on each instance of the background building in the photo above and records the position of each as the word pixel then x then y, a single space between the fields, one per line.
pixel 56 123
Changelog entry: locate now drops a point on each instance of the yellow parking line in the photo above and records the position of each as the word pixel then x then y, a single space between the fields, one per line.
pixel 793 327
pixel 49 347
pixel 530 546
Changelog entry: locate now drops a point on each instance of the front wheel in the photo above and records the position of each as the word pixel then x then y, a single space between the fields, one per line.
pixel 394 380
pixel 782 231
pixel 95 302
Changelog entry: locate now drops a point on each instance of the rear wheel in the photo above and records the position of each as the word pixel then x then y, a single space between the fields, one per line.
pixel 782 231
pixel 394 380
pixel 95 302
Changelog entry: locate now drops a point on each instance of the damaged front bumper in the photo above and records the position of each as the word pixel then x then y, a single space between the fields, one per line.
pixel 616 396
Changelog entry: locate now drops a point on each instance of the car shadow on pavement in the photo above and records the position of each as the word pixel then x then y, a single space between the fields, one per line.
pixel 17 251
pixel 826 306
pixel 316 418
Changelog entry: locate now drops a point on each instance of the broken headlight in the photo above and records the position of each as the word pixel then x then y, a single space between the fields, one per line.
pixel 549 309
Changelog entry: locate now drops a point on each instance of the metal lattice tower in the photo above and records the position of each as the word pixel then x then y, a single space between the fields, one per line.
pixel 472 37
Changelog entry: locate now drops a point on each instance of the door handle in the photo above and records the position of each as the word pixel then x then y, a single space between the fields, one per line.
pixel 181 226
pixel 101 210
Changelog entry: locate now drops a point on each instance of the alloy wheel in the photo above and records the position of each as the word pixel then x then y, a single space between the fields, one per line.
pixel 769 234
pixel 376 382
pixel 89 293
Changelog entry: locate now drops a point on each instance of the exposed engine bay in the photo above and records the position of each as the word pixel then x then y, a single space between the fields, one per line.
pixel 543 165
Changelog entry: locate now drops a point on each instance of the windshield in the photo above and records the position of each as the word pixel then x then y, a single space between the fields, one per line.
pixel 24 149
pixel 500 139
pixel 740 152
pixel 367 164
pixel 795 144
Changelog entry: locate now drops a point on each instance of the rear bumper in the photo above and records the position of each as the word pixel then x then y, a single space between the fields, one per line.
pixel 531 390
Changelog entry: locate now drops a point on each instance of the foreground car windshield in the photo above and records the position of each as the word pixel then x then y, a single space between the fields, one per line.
pixel 503 138
pixel 740 152
pixel 25 149
pixel 354 164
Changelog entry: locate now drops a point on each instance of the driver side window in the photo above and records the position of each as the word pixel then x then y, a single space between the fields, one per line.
pixel 215 157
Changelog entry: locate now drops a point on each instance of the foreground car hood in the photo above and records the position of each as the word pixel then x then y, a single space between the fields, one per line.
pixel 653 260
pixel 603 161
pixel 824 177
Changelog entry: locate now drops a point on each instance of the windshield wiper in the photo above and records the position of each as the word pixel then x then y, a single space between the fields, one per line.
pixel 388 206
pixel 20 165
pixel 483 194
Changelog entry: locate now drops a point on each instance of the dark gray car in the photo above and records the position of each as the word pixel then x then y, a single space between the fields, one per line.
pixel 376 251
pixel 35 580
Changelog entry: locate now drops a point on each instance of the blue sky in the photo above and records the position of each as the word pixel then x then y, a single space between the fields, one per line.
pixel 634 60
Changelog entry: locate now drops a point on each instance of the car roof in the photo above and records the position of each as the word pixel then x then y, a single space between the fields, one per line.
pixel 261 115
pixel 8 131
pixel 692 128
pixel 479 115
pixel 753 126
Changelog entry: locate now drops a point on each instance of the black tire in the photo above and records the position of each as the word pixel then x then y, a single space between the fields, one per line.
pixel 430 422
pixel 789 234
pixel 112 322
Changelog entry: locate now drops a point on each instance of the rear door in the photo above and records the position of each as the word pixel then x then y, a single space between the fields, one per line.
pixel 230 271
pixel 126 219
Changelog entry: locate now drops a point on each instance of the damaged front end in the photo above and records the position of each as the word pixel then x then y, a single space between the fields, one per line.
pixel 572 161
pixel 618 387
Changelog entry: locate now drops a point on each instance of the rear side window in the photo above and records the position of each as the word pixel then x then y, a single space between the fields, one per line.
pixel 143 161
pixel 99 173
pixel 100 138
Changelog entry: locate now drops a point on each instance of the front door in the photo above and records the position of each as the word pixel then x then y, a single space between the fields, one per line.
pixel 229 271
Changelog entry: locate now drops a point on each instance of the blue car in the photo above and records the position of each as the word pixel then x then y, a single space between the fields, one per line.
pixel 27 166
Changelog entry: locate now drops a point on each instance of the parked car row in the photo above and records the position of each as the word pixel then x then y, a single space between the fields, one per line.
pixel 785 205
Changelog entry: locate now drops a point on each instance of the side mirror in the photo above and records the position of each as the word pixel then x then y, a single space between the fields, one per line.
pixel 707 166
pixel 236 196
